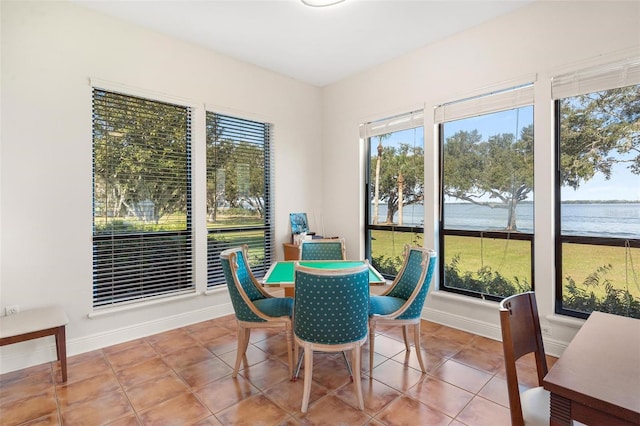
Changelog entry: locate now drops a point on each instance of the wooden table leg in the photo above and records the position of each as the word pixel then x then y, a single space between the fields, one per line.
pixel 61 347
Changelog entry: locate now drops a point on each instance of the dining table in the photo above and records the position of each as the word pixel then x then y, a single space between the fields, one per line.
pixel 596 380
pixel 282 273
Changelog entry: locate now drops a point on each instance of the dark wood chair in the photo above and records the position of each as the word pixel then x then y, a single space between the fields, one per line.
pixel 521 335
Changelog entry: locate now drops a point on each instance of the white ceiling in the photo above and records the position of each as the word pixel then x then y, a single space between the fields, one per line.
pixel 314 45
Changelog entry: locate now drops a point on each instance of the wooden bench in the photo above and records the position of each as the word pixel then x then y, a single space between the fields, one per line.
pixel 35 323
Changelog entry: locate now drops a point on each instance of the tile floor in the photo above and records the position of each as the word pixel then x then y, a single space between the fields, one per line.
pixel 183 377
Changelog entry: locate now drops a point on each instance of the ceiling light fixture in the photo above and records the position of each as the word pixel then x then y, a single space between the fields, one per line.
pixel 320 3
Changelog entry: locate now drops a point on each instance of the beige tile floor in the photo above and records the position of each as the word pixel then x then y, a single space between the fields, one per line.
pixel 183 377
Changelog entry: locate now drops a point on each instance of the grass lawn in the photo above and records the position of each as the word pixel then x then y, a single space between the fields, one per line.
pixel 511 258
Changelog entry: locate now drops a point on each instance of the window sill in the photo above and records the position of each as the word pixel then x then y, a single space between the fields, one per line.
pixel 216 290
pixel 138 305
pixel 476 301
pixel 565 320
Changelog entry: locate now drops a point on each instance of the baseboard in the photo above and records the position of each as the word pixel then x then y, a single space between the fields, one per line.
pixel 552 347
pixel 39 351
pixel 464 323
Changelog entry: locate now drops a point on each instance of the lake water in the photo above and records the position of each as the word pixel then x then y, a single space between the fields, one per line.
pixel 621 220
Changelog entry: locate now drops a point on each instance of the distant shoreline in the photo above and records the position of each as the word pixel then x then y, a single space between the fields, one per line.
pixel 600 202
pixel 569 202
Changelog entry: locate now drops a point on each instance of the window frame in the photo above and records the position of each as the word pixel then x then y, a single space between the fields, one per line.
pixel 515 95
pixel 215 274
pixel 184 281
pixel 615 74
pixel 406 121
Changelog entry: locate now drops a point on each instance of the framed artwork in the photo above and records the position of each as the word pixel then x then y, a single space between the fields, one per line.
pixel 299 223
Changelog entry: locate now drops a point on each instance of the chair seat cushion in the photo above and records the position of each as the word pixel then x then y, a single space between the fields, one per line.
pixel 384 305
pixel 535 406
pixel 275 306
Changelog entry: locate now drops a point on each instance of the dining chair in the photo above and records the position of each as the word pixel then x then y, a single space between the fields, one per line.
pixel 323 249
pixel 521 335
pixel 330 315
pixel 401 305
pixel 254 307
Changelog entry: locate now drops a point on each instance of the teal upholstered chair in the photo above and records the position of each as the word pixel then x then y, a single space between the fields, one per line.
pixel 254 307
pixel 401 305
pixel 322 249
pixel 330 315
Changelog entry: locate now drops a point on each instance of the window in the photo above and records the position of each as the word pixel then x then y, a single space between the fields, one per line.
pixel 238 192
pixel 598 190
pixel 395 189
pixel 486 217
pixel 142 235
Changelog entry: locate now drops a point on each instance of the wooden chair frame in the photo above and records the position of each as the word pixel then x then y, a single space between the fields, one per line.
pixel 310 347
pixel 391 319
pixel 521 335
pixel 244 327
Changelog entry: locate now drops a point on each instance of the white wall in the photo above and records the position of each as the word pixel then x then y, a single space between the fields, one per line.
pixel 50 50
pixel 540 39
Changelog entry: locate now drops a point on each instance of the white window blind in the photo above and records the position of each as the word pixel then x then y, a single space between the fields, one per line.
pixel 501 100
pixel 594 79
pixel 142 233
pixel 393 124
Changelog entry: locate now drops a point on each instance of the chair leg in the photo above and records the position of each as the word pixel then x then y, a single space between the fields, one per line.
pixel 243 343
pixel 416 339
pixel 308 375
pixel 356 360
pixel 289 351
pixel 406 339
pixel 372 333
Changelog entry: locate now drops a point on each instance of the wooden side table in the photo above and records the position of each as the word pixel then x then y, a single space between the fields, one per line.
pixel 291 251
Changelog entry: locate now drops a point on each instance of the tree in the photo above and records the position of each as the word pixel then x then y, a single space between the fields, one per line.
pixel 376 193
pixel 140 157
pixel 494 173
pixel 406 161
pixel 235 169
pixel 595 126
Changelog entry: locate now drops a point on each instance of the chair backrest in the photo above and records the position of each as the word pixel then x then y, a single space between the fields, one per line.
pixel 242 284
pixel 414 279
pixel 521 335
pixel 332 306
pixel 322 249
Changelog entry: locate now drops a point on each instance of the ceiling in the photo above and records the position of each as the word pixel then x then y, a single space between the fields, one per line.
pixel 318 46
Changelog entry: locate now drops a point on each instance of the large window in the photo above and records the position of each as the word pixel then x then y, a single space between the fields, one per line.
pixel 238 192
pixel 598 190
pixel 486 217
pixel 142 235
pixel 395 189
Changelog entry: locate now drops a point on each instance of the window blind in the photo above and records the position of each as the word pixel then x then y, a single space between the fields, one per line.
pixel 239 192
pixel 392 124
pixel 594 79
pixel 501 100
pixel 142 232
